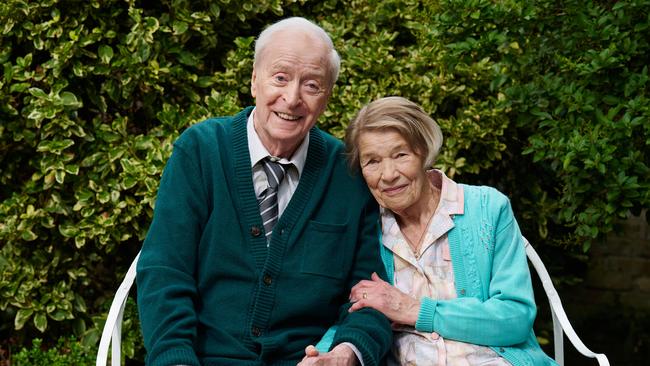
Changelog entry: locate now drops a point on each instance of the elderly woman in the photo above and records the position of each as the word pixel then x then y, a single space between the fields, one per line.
pixel 460 291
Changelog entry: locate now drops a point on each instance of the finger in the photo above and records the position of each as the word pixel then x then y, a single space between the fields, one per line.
pixel 310 361
pixel 361 285
pixel 375 277
pixel 311 351
pixel 357 306
pixel 364 283
pixel 357 291
pixel 358 295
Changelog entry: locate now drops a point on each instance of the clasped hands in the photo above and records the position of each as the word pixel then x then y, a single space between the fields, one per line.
pixel 375 293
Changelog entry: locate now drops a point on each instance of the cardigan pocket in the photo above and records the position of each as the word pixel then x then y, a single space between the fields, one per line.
pixel 324 251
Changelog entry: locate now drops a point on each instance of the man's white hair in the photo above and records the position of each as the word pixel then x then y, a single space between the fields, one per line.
pixel 300 24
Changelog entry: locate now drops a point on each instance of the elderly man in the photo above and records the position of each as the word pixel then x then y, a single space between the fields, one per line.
pixel 259 231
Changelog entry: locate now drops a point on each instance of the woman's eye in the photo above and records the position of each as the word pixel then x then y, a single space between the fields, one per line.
pixel 371 162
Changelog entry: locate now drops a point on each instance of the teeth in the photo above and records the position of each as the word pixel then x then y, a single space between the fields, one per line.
pixel 287 116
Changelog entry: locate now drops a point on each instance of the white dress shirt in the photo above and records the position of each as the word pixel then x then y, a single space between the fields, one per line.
pixel 291 179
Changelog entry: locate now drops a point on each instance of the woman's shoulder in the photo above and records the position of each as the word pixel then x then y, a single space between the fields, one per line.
pixel 481 202
pixel 485 195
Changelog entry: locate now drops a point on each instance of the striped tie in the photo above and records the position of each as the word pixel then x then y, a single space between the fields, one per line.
pixel 269 201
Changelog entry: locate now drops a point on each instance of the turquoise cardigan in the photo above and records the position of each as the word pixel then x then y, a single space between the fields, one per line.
pixel 495 305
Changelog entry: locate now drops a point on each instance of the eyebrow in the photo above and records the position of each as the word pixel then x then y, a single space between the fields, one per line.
pixel 313 73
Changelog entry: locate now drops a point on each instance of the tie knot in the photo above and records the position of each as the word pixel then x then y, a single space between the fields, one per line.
pixel 274 172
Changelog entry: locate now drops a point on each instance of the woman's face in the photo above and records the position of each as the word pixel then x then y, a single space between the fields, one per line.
pixel 392 169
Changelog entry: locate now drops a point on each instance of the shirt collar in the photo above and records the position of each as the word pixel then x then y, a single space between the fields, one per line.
pixel 259 152
pixel 451 193
pixel 451 203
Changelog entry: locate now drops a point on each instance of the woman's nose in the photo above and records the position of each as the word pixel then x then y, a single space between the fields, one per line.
pixel 388 170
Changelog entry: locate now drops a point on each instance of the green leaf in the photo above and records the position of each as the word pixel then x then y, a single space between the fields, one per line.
pixel 19 88
pixel 70 100
pixel 129 181
pixel 40 322
pixel 78 326
pixel 72 169
pixel 35 115
pixel 22 316
pixel 68 230
pixel 37 92
pixel 179 27
pixel 79 241
pixel 144 51
pixel 103 197
pixel 59 175
pixel 28 235
pixel 58 315
pixel 79 303
pixel 105 53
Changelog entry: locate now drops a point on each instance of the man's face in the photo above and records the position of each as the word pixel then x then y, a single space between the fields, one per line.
pixel 291 86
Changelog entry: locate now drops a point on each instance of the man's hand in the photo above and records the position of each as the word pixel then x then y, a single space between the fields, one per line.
pixel 341 355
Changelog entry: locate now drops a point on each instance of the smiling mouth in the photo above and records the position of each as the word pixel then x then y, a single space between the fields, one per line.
pixel 287 117
pixel 394 190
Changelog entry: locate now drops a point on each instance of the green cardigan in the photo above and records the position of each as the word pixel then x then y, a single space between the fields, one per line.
pixel 495 305
pixel 210 292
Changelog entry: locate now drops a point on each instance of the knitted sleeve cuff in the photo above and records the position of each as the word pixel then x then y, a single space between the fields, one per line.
pixel 426 315
pixel 372 348
pixel 361 344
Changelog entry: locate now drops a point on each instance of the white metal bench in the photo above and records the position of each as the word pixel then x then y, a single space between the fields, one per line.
pixel 113 328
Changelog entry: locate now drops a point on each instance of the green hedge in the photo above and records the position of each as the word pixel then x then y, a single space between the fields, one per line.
pixel 67 352
pixel 546 100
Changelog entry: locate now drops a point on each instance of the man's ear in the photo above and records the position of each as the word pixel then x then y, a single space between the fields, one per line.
pixel 253 89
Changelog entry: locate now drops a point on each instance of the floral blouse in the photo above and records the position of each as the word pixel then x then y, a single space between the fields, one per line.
pixel 429 273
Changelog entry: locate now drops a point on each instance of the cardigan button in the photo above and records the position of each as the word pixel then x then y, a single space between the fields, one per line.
pixel 268 280
pixel 256 331
pixel 502 349
pixel 462 292
pixel 255 231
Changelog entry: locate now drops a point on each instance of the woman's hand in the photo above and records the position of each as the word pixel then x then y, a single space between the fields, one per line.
pixel 378 294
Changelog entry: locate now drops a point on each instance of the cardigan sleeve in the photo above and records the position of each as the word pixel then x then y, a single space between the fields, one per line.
pixel 501 310
pixel 367 329
pixel 165 273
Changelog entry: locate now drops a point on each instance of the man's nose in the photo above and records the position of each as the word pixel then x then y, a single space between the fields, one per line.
pixel 292 94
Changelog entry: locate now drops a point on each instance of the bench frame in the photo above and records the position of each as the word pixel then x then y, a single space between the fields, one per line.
pixel 112 333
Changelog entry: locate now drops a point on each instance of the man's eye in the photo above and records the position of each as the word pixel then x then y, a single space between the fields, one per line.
pixel 280 78
pixel 312 88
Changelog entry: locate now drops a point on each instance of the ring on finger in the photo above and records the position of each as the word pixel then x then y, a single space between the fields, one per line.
pixel 365 295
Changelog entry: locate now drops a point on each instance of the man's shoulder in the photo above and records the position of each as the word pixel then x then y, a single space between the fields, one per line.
pixel 212 128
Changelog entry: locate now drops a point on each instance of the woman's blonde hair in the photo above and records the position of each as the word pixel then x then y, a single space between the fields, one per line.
pixel 419 130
